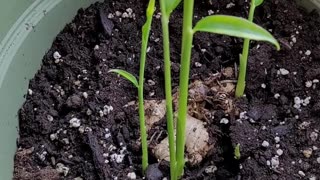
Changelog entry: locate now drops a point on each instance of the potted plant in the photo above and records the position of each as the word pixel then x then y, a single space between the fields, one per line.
pixel 80 112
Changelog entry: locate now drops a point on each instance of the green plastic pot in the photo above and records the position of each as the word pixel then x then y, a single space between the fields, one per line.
pixel 27 30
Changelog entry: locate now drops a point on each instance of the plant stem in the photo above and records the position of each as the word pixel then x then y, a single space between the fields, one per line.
pixel 241 84
pixel 168 89
pixel 143 130
pixel 187 37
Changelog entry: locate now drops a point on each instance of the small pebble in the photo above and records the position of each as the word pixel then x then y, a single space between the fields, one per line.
pixel 307 153
pixel 265 144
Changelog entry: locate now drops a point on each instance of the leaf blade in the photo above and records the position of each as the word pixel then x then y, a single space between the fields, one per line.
pixel 147 25
pixel 257 2
pixel 234 26
pixel 171 5
pixel 126 75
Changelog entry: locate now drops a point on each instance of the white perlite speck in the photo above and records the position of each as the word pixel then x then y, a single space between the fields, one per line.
pixel 118 13
pixel 318 160
pixel 50 118
pixel 315 81
pixel 85 95
pixel 224 121
pixel 314 136
pixel 107 109
pixel 268 163
pixel 279 152
pixel 230 5
pixel 132 175
pixel 61 168
pixel 265 144
pixel 110 16
pixel 276 96
pixel 53 137
pixel 263 85
pixel 75 122
pixel 118 158
pixel 283 71
pixel 308 53
pixel 301 173
pixel 210 12
pixel 30 92
pixel 309 84
pixel 275 162
pixel 151 82
pixel 313 178
pixel 277 139
pixel 211 169
pixel 197 64
pixel 56 55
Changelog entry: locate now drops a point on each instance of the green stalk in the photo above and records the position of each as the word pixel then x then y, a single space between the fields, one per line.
pixel 144 45
pixel 168 89
pixel 241 84
pixel 187 37
pixel 143 130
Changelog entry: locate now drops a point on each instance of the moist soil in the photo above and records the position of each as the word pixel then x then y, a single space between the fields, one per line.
pixel 278 139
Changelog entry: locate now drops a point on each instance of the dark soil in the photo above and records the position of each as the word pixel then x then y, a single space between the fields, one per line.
pixel 92 44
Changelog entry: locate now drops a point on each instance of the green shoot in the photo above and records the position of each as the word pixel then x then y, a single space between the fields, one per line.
pixel 167 6
pixel 237 154
pixel 127 76
pixel 245 52
pixel 145 37
pixel 187 38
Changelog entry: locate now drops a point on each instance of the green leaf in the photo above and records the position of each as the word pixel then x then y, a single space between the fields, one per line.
pixel 150 9
pixel 171 5
pixel 234 26
pixel 257 2
pixel 147 26
pixel 126 75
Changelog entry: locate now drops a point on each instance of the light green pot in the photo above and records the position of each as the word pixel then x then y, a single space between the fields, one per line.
pixel 27 30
